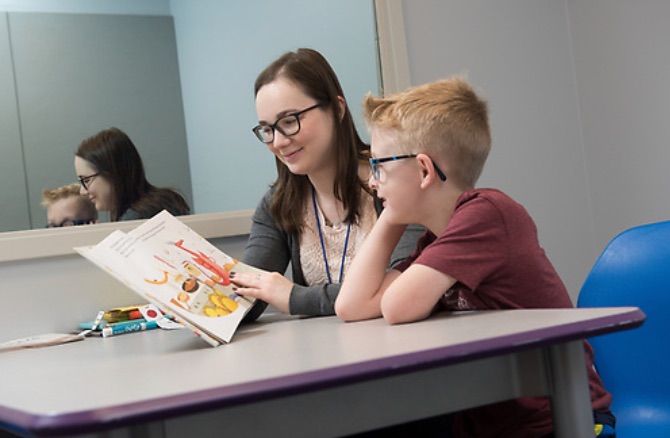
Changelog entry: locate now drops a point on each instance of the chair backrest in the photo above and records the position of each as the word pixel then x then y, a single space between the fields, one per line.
pixel 635 364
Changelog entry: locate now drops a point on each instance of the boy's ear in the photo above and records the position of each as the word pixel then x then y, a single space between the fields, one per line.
pixel 428 174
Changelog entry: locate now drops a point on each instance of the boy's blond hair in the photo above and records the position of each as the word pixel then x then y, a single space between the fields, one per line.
pixel 49 196
pixel 445 118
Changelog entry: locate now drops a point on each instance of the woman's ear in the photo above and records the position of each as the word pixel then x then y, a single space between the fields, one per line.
pixel 341 107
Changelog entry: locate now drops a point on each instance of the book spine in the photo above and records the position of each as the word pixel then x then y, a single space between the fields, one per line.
pixel 127 327
pixel 202 334
pixel 195 329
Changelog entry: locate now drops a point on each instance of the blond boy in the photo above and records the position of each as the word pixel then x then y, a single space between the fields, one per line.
pixel 67 207
pixel 480 251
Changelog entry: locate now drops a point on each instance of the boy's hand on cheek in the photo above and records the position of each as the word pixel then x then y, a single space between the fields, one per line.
pixel 386 221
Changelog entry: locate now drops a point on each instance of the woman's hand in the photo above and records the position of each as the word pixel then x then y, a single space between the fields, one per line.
pixel 271 287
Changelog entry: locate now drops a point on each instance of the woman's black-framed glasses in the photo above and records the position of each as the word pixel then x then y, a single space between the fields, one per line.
pixel 86 180
pixel 374 165
pixel 288 125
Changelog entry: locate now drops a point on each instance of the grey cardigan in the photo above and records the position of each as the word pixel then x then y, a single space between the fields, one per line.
pixel 271 249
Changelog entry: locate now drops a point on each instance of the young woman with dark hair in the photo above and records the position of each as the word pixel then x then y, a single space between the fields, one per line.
pixel 111 174
pixel 319 209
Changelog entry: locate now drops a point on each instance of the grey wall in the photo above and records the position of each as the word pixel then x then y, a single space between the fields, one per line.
pixel 622 68
pixel 579 108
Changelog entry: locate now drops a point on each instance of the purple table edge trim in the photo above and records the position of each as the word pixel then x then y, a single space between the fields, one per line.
pixel 215 398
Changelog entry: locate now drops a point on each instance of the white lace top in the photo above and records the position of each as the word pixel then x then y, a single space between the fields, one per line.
pixel 311 253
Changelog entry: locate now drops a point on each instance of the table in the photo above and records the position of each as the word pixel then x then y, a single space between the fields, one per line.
pixel 287 376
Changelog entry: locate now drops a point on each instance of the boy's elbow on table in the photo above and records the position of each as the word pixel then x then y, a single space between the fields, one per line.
pixel 397 311
pixel 348 309
pixel 393 315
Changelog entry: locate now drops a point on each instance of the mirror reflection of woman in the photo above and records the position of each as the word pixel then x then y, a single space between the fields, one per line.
pixel 319 209
pixel 111 174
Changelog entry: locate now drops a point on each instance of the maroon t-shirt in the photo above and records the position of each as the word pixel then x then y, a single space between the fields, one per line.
pixel 491 248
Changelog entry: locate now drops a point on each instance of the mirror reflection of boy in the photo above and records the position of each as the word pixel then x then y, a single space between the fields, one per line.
pixel 66 207
pixel 480 251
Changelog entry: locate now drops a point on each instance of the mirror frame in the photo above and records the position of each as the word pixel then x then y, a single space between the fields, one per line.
pixel 53 242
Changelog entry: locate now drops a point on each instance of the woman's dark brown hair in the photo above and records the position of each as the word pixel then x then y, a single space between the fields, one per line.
pixel 115 157
pixel 310 71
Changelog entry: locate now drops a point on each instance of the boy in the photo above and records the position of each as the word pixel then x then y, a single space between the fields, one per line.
pixel 480 251
pixel 66 207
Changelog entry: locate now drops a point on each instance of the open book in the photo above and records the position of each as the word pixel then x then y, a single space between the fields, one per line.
pixel 177 270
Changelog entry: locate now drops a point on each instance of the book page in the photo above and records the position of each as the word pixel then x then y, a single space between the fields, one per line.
pixel 179 271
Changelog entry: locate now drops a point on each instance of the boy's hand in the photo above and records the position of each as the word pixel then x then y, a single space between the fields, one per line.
pixel 367 279
pixel 271 287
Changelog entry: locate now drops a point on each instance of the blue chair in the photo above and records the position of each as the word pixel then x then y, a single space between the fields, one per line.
pixel 635 364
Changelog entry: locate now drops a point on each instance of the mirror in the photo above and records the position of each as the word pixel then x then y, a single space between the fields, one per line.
pixel 205 99
pixel 75 74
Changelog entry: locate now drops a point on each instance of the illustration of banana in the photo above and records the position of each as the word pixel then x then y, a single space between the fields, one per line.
pixel 221 305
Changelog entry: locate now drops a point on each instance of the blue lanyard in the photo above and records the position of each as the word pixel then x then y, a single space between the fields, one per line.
pixel 323 247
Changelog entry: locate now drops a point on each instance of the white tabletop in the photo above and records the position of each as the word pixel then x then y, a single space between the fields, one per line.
pixel 125 377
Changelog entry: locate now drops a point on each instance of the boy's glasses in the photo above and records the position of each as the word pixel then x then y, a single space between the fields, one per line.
pixel 70 223
pixel 86 180
pixel 376 170
pixel 288 125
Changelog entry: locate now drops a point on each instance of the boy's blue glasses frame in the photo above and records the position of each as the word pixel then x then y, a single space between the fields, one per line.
pixel 374 165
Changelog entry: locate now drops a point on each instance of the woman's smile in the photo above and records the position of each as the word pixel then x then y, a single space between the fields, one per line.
pixel 291 156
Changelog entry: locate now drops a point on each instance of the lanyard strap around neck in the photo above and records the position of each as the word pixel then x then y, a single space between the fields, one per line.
pixel 323 246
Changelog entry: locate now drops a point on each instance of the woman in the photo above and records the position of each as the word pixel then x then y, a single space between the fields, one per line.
pixel 319 210
pixel 111 174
